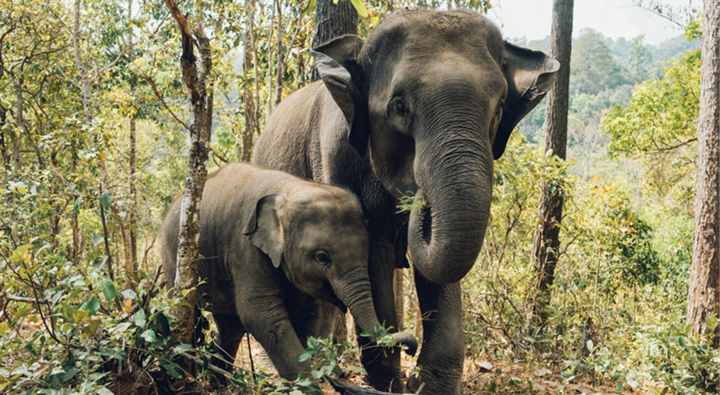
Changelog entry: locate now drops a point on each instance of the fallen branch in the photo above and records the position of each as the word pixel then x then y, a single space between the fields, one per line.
pixel 345 388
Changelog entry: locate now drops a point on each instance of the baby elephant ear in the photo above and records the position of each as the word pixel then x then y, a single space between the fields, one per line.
pixel 530 75
pixel 265 230
pixel 336 62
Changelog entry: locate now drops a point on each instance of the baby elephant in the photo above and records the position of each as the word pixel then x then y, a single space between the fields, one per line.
pixel 277 252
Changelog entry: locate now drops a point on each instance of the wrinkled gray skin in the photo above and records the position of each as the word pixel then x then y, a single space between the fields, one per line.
pixel 274 247
pixel 423 107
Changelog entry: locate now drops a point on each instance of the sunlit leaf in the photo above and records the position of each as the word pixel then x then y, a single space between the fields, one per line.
pixel 360 8
pixel 106 200
pixel 108 289
pixel 92 305
pixel 139 318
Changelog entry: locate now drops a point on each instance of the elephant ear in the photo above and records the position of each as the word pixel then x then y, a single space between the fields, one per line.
pixel 337 65
pixel 530 75
pixel 265 230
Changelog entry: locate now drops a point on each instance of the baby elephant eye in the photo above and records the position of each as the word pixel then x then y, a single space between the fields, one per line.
pixel 322 256
pixel 398 106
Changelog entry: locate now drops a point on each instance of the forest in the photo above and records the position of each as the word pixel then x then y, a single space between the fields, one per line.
pixel 598 271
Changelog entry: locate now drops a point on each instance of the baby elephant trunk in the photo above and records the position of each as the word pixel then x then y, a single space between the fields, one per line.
pixel 357 296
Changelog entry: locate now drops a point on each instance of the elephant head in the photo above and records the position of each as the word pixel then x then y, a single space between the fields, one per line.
pixel 316 235
pixel 431 98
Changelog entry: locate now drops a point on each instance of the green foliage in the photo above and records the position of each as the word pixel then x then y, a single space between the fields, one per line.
pixel 593 68
pixel 73 319
pixel 85 336
pixel 659 126
pixel 662 113
pixel 682 364
pixel 622 275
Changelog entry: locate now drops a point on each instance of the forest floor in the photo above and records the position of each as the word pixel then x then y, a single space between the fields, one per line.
pixel 481 376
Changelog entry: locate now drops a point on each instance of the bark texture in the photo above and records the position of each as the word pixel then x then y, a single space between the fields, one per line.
pixel 280 60
pixel 333 20
pixel 200 88
pixel 75 225
pixel 250 89
pixel 131 263
pixel 704 290
pixel 547 239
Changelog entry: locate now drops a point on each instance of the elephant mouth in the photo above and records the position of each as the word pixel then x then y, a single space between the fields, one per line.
pixel 423 213
pixel 327 294
pixel 426 224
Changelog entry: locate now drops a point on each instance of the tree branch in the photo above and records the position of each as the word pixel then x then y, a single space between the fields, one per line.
pixel 160 97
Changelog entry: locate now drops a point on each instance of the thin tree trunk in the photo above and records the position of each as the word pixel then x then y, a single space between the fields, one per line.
pixel 131 263
pixel 78 62
pixel 19 121
pixel 3 145
pixel 270 72
pixel 280 62
pixel 200 88
pixel 704 284
pixel 75 225
pixel 333 20
pixel 106 235
pixel 399 285
pixel 547 239
pixel 249 90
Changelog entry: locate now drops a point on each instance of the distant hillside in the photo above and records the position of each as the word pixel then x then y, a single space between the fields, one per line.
pixel 604 71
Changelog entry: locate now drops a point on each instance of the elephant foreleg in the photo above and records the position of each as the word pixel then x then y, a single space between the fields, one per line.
pixel 382 365
pixel 442 354
pixel 267 321
pixel 230 332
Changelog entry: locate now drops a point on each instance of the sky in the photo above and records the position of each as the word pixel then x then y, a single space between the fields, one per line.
pixel 614 18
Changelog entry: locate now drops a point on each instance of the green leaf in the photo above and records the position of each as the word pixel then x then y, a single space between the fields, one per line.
pixel 106 200
pixel 360 8
pixel 109 290
pixel 171 368
pixel 310 6
pixel 140 319
pixel 92 305
pixel 104 391
pixel 182 348
pixel 149 336
pixel 305 356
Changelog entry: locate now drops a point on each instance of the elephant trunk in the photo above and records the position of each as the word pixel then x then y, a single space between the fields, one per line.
pixel 454 176
pixel 356 294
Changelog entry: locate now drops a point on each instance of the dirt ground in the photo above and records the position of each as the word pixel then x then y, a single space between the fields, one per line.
pixel 480 376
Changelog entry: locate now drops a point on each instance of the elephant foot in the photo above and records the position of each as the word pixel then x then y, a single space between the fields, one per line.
pixel 436 381
pixel 383 369
pixel 383 379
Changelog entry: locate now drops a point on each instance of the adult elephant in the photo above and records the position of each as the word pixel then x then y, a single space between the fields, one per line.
pixel 421 107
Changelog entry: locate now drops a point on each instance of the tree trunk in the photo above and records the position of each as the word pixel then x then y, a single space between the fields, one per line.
pixel 399 285
pixel 199 84
pixel 280 62
pixel 249 97
pixel 704 287
pixel 131 264
pixel 19 121
pixel 547 239
pixel 76 253
pixel 3 146
pixel 333 20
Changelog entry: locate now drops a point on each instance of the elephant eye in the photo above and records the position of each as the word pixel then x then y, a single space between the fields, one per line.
pixel 398 106
pixel 322 256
